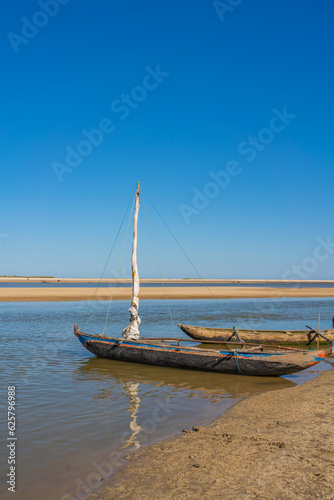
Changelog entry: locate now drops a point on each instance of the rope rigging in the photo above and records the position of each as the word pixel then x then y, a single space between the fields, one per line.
pixel 132 201
pixel 183 251
pixel 156 257
pixel 112 248
pixel 119 265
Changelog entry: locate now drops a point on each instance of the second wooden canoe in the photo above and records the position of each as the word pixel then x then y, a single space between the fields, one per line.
pixel 202 333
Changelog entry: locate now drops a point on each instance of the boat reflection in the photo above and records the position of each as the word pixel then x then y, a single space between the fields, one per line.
pixel 177 391
pixel 207 382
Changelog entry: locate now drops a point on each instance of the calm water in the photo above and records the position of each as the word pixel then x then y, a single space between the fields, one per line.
pixel 78 416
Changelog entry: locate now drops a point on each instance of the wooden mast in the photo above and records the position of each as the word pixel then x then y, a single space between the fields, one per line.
pixel 132 330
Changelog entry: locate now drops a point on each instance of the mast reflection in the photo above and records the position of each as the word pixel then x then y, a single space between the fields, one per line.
pixel 131 390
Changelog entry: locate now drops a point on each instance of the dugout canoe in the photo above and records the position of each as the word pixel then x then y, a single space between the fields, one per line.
pixel 302 337
pixel 175 355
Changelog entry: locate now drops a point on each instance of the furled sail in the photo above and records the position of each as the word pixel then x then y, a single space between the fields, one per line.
pixel 132 330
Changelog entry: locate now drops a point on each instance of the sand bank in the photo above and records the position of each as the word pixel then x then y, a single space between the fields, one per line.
pixel 276 445
pixel 15 294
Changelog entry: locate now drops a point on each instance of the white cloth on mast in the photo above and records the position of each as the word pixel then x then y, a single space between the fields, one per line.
pixel 132 330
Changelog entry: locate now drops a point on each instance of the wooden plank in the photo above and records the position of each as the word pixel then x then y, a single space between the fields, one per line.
pixel 219 342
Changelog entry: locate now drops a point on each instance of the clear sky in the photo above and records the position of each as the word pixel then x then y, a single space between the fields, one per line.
pixel 222 110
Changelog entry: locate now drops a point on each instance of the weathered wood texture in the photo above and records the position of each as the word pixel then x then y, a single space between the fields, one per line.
pixel 221 361
pixel 255 336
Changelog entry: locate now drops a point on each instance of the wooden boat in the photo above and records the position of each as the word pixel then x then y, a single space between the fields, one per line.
pixel 172 353
pixel 175 355
pixel 304 337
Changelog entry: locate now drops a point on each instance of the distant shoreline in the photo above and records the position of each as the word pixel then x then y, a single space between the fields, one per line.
pixel 41 279
pixel 46 294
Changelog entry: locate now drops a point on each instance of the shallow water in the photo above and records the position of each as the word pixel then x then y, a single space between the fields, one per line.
pixel 78 415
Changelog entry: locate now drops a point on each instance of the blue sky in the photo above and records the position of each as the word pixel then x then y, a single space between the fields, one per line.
pixel 181 92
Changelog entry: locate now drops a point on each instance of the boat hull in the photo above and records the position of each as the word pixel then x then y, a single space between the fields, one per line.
pixel 220 361
pixel 301 337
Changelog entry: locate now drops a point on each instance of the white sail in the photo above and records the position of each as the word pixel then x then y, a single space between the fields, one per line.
pixel 132 330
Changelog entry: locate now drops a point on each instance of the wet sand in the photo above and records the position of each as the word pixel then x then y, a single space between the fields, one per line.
pixel 276 445
pixel 27 294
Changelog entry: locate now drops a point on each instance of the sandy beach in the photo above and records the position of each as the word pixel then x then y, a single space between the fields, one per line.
pixel 276 445
pixel 30 294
